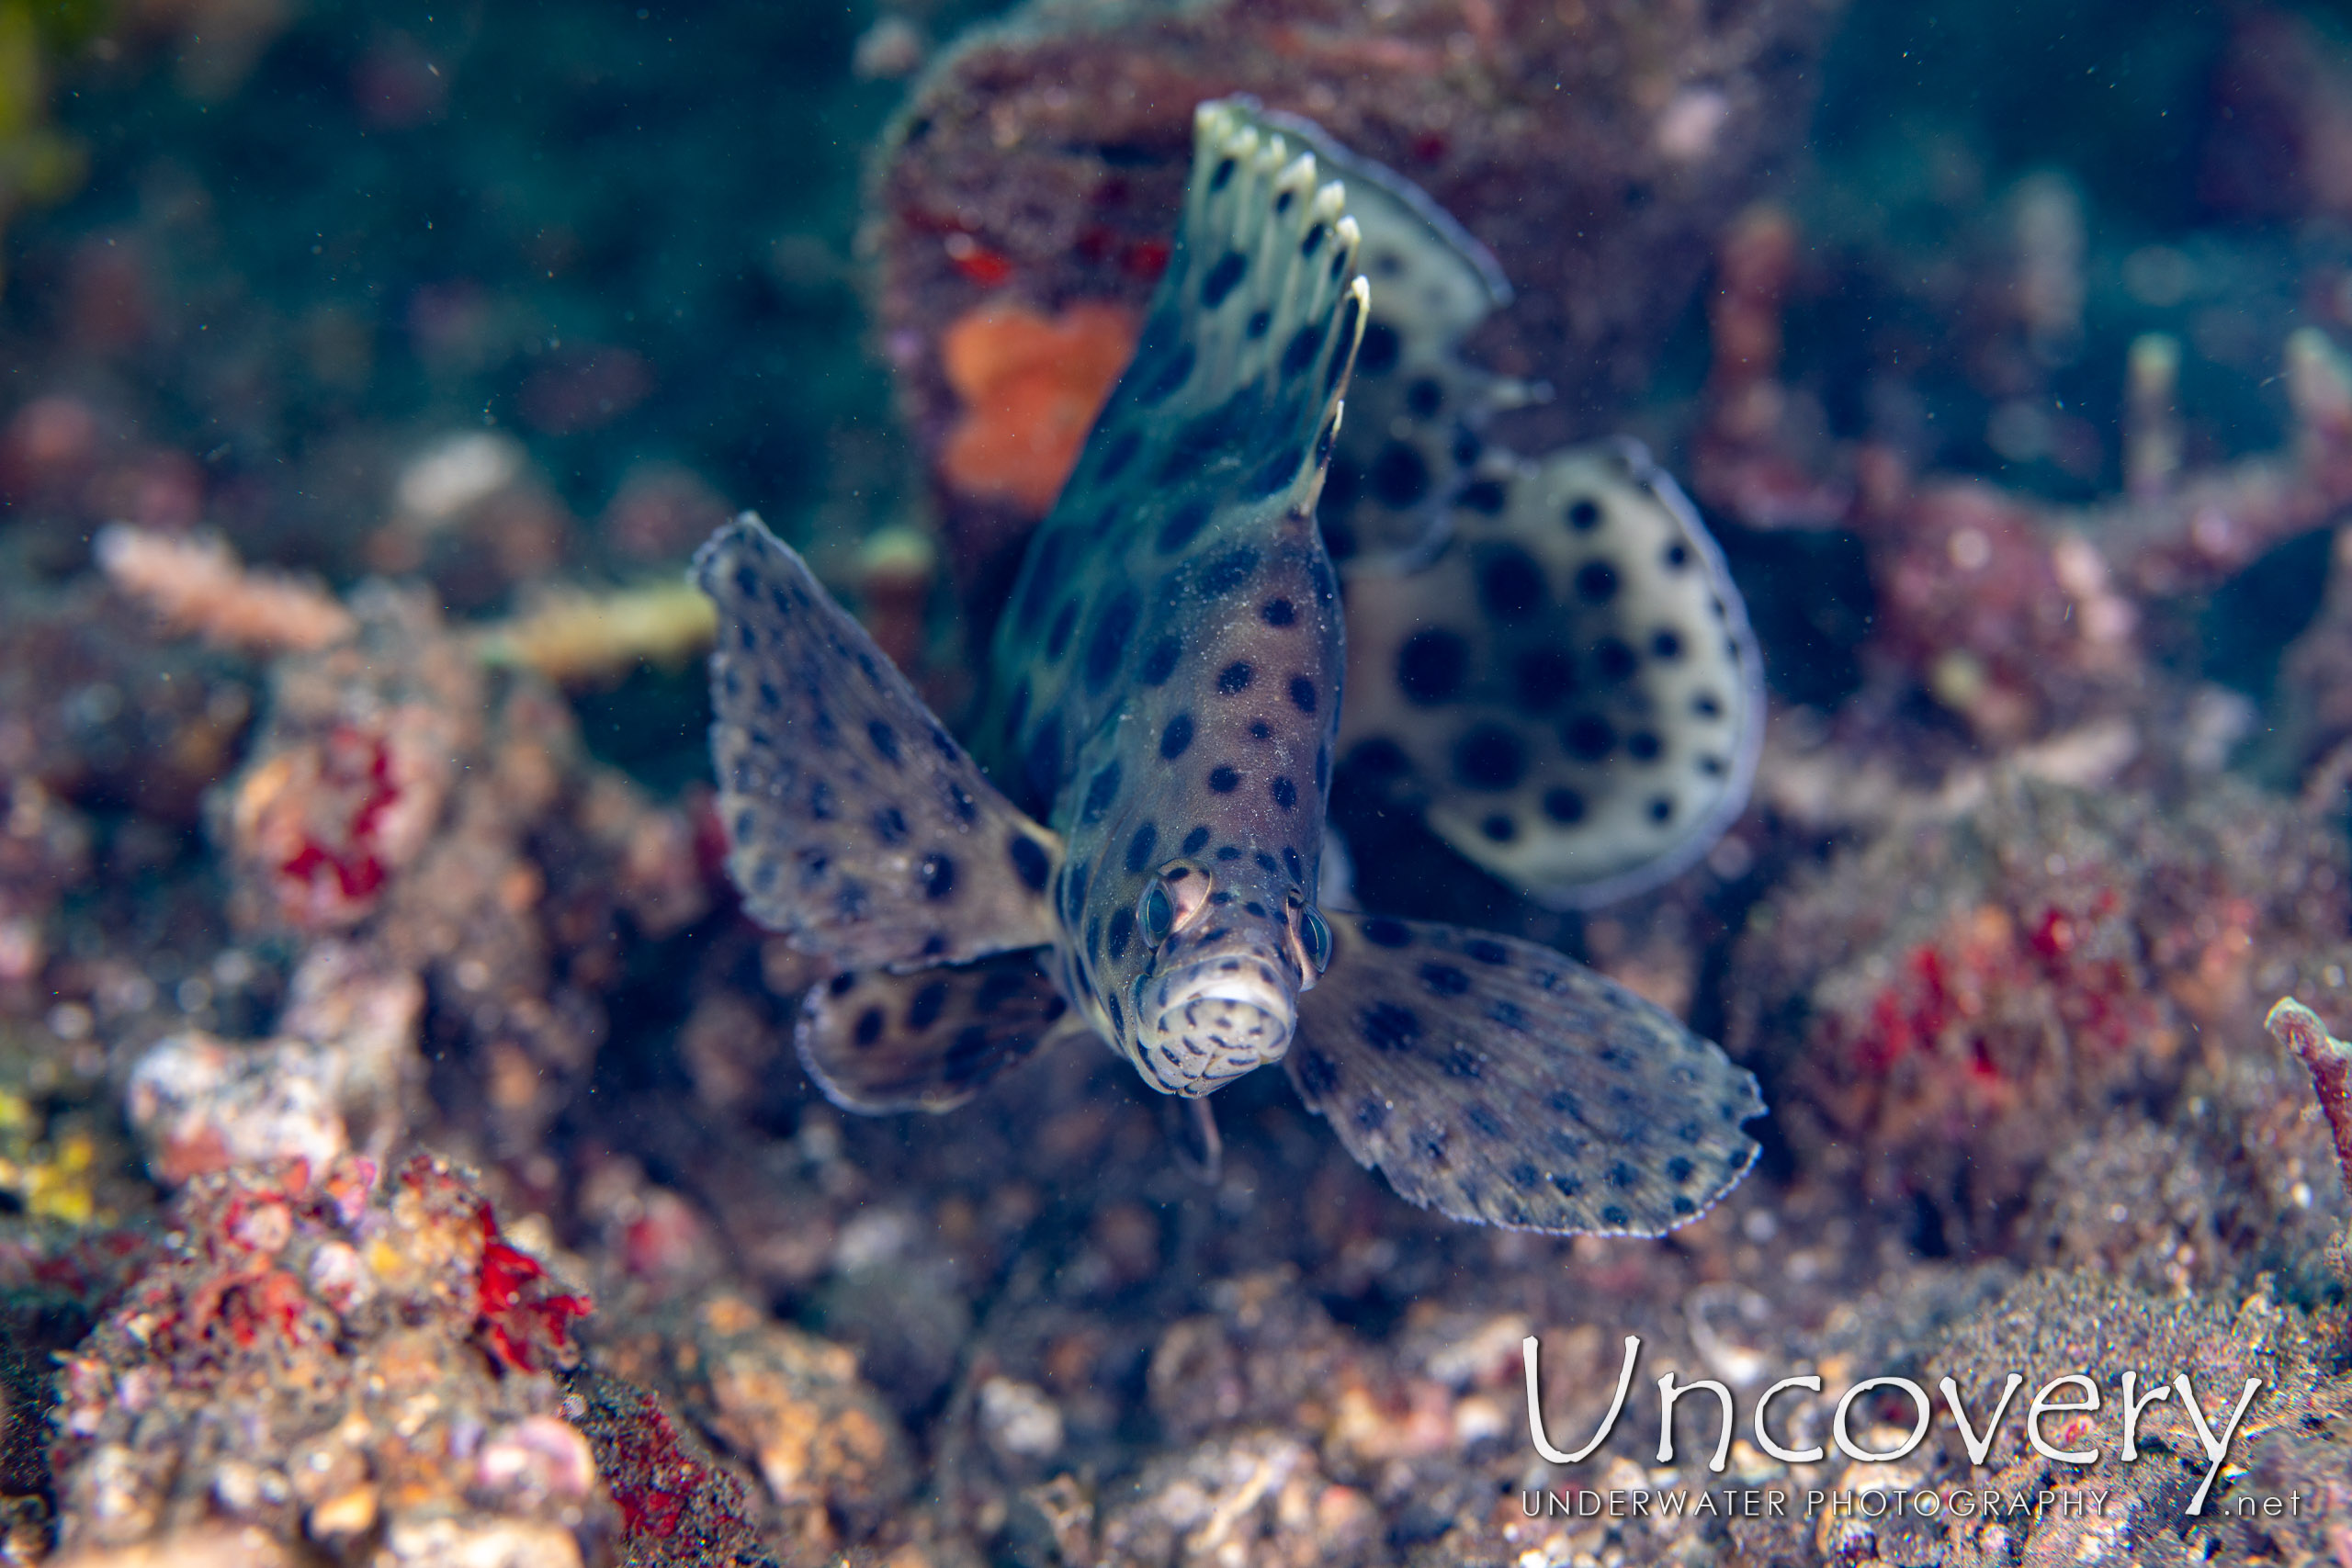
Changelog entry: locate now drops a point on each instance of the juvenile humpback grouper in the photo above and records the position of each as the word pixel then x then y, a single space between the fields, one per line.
pixel 1139 859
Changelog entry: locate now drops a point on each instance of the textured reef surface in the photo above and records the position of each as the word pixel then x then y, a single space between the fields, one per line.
pixel 404 1155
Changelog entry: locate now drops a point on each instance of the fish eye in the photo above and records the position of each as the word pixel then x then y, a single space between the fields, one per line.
pixel 1155 913
pixel 1317 936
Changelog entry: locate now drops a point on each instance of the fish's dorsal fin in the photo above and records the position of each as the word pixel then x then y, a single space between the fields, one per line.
pixel 856 823
pixel 1570 695
pixel 1416 408
pixel 1253 329
pixel 1219 432
pixel 878 1041
pixel 1499 1082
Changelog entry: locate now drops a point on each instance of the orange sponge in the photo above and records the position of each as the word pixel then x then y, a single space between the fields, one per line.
pixel 1031 388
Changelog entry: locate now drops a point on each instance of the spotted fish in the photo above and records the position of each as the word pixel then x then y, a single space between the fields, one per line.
pixel 1140 859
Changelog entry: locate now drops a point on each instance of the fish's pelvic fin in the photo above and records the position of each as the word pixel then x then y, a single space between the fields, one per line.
pixel 856 826
pixel 1497 1081
pixel 879 1042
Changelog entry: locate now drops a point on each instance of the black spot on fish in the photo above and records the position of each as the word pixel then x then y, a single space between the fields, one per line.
pixel 1108 644
pixel 929 1002
pixel 1317 1074
pixel 1139 848
pixel 885 738
pixel 1227 852
pixel 890 825
pixel 1029 862
pixel 840 984
pixel 1123 932
pixel 1228 571
pixel 1614 660
pixel 1398 477
pixel 1489 757
pixel 1159 662
pixel 1564 806
pixel 1100 791
pixel 1299 353
pixel 1485 496
pixel 1642 745
pixel 1183 525
pixel 1223 279
pixel 1424 398
pixel 1661 808
pixel 1595 582
pixel 1705 706
pixel 1377 355
pixel 1589 737
pixel 1058 641
pixel 1265 862
pixel 1584 514
pixel 1195 840
pixel 960 802
pixel 1292 863
pixel 1177 738
pixel 1278 612
pixel 1074 892
pixel 1711 766
pixel 1118 1016
pixel 1381 932
pixel 1664 645
pixel 1444 979
pixel 1259 321
pixel 1432 664
pixel 1391 1028
pixel 1235 678
pixel 1163 382
pixel 1224 780
pixel 1313 242
pixel 1260 730
pixel 1285 793
pixel 1302 693
pixel 1678 556
pixel 1222 176
pixel 868 1028
pixel 1499 827
pixel 1510 585
pixel 1486 951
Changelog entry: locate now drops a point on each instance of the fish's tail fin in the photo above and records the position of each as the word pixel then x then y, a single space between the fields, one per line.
pixel 1254 330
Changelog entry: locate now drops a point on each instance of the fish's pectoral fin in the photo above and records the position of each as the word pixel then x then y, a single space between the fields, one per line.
pixel 1497 1081
pixel 1570 694
pixel 879 1042
pixel 856 823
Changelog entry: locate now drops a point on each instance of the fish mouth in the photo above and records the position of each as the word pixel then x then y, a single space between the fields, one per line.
pixel 1211 1021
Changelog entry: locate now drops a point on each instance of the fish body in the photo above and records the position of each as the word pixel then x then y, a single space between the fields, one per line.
pixel 1139 859
pixel 1166 680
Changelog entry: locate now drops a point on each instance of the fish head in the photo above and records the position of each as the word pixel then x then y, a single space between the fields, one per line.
pixel 1226 948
